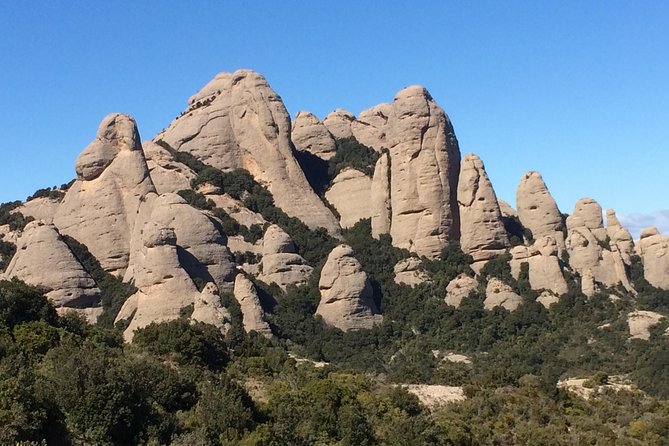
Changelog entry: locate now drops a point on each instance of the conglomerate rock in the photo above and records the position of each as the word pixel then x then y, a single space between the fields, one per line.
pixel 252 312
pixel 349 193
pixel 309 134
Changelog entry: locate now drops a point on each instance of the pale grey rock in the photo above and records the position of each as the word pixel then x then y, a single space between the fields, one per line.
pixel 40 209
pixel 619 236
pixel 653 248
pixel 237 210
pixel 544 270
pixel 370 127
pixel 499 294
pixel 506 210
pixel 238 122
pixel 380 196
pixel 459 288
pixel 425 163
pixel 208 309
pixel 253 314
pixel 100 208
pixel 346 295
pixel 640 322
pixel 349 193
pixel 588 285
pixel 537 209
pixel 309 134
pixel 482 233
pixel 547 299
pixel 338 123
pixel 43 260
pixel 167 174
pixel 410 272
pixel 280 263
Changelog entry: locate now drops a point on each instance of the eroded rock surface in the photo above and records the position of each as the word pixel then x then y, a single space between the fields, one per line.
pixel 545 272
pixel 349 194
pixel 410 272
pixel 371 126
pixel 309 134
pixel 253 314
pixel 338 123
pixel 346 295
pixel 167 174
pixel 208 309
pixel 459 288
pixel 654 251
pixel 640 323
pixel 537 209
pixel 380 196
pixel 499 294
pixel 280 262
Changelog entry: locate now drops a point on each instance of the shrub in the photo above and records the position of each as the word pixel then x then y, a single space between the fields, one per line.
pixel 350 153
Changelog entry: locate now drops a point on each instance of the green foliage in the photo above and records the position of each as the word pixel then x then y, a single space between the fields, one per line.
pixel 15 219
pixel 350 153
pixel 20 303
pixel 114 291
pixel 184 342
pixel 7 251
pixel 54 194
pixel 196 199
pixel 183 157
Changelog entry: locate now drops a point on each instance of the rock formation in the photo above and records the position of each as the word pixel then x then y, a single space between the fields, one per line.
pixel 640 323
pixel 654 251
pixel 545 272
pixel 619 236
pixel 280 263
pixel 238 121
pixel 380 196
pixel 410 272
pixel 41 209
pixel 371 126
pixel 338 123
pixel 43 260
pixel 167 174
pixel 309 134
pixel 537 209
pixel 346 295
pixel 499 294
pixel 547 299
pixel 349 194
pixel 459 288
pixel 254 316
pixel 99 209
pixel 482 233
pixel 208 309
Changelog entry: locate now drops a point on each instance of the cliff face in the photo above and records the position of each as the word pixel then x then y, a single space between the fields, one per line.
pixel 421 196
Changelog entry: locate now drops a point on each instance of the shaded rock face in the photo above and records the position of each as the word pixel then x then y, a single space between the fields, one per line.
pixel 338 123
pixel 380 196
pixel 164 287
pixel 349 194
pixel 208 309
pixel 537 209
pixel 280 263
pixel 482 233
pixel 640 323
pixel 590 247
pixel 499 294
pixel 100 208
pixel 167 174
pixel 238 121
pixel 309 134
pixel 654 251
pixel 44 260
pixel 619 236
pixel 253 314
pixel 459 288
pixel 425 164
pixel 346 295
pixel 410 272
pixel 545 272
pixel 200 246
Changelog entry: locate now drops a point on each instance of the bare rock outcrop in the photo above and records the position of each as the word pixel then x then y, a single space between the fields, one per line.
pixel 380 196
pixel 370 127
pixel 537 209
pixel 167 174
pixel 459 288
pixel 40 209
pixel 653 248
pixel 545 272
pixel 499 294
pixel 425 164
pixel 100 208
pixel 43 260
pixel 482 233
pixel 253 314
pixel 236 209
pixel 410 272
pixel 506 210
pixel 208 309
pixel 547 299
pixel 619 236
pixel 349 194
pixel 238 121
pixel 640 322
pixel 280 262
pixel 309 134
pixel 338 123
pixel 346 295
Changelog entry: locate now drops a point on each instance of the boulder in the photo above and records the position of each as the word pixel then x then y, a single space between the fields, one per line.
pixel 537 209
pixel 545 272
pixel 459 288
pixel 254 316
pixel 653 248
pixel 499 294
pixel 349 194
pixel 43 260
pixel 346 295
pixel 310 135
pixel 640 323
pixel 100 208
pixel 380 196
pixel 280 262
pixel 208 309
pixel 338 123
pixel 410 272
pixel 482 233
pixel 547 299
pixel 238 122
pixel 167 174
pixel 424 169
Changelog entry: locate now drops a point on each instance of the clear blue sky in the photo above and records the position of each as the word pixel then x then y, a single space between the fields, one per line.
pixel 578 90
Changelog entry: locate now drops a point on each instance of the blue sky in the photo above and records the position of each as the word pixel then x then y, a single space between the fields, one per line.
pixel 578 90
